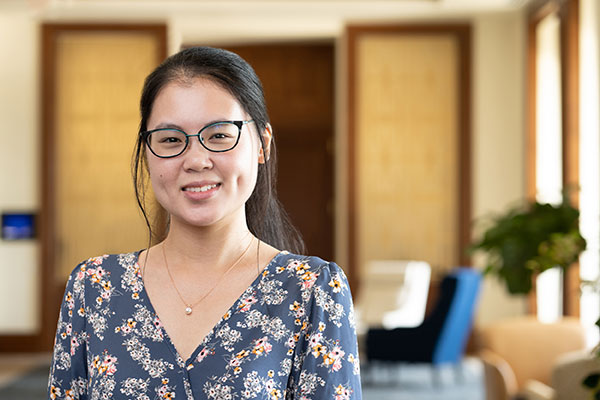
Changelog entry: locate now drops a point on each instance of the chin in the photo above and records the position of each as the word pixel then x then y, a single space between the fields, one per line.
pixel 204 220
pixel 200 222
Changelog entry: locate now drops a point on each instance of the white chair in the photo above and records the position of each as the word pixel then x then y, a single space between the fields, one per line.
pixel 394 294
pixel 411 299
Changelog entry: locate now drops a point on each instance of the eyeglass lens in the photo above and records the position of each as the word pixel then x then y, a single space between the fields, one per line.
pixel 171 142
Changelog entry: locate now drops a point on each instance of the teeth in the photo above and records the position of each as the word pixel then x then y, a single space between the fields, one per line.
pixel 200 189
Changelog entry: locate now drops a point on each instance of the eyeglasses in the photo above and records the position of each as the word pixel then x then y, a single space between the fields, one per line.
pixel 217 137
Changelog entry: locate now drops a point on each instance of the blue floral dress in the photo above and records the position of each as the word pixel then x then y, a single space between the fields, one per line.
pixel 291 335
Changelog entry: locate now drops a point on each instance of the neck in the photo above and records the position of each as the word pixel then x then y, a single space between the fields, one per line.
pixel 206 248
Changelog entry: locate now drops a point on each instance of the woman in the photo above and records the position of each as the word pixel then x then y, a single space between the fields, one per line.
pixel 215 310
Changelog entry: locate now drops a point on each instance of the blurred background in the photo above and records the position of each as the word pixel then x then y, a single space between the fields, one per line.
pixel 402 128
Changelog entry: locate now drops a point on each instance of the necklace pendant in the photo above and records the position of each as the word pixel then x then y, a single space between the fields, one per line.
pixel 188 310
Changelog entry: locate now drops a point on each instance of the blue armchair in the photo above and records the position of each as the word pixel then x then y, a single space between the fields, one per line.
pixel 443 335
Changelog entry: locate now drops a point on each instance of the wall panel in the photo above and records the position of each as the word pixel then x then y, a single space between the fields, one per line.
pixel 409 145
pixel 407 148
pixel 99 77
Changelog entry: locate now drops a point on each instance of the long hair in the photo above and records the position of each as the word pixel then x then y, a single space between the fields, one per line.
pixel 265 215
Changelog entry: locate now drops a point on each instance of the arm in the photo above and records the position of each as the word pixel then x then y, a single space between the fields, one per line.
pixel 68 372
pixel 328 355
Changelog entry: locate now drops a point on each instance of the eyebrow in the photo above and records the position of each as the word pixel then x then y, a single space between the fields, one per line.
pixel 168 125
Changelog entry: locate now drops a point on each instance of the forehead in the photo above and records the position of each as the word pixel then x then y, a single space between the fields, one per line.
pixel 198 98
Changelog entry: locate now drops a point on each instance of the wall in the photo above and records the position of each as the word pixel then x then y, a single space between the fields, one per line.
pixel 498 137
pixel 498 165
pixel 19 167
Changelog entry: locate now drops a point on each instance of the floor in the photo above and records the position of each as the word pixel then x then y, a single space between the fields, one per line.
pixel 13 366
pixel 24 377
pixel 421 382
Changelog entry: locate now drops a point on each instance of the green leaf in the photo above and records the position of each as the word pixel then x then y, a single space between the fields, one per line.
pixel 529 240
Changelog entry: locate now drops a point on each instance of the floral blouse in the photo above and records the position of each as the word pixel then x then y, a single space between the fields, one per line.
pixel 291 335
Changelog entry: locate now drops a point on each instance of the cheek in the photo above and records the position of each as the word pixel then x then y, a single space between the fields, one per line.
pixel 246 172
pixel 245 162
pixel 158 173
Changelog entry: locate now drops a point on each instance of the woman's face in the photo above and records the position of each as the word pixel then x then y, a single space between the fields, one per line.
pixel 199 187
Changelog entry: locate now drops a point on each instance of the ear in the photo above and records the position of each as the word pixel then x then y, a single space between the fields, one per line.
pixel 267 137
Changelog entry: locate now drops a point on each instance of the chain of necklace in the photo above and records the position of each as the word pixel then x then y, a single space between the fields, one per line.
pixel 190 306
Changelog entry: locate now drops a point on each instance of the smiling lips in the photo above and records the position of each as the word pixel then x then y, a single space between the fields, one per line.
pixel 197 189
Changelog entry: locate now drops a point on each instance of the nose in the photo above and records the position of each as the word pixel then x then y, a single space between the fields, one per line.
pixel 196 157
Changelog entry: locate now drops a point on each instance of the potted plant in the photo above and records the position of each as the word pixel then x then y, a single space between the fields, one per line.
pixel 528 240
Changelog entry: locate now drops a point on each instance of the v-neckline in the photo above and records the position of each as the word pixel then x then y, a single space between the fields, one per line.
pixel 230 311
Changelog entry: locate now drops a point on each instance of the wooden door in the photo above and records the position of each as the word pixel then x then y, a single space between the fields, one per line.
pixel 298 83
pixel 409 150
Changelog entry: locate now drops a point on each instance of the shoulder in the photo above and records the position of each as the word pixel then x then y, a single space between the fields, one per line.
pixel 310 272
pixel 97 277
pixel 289 260
pixel 105 265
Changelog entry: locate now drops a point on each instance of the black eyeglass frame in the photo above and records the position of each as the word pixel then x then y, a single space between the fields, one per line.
pixel 239 124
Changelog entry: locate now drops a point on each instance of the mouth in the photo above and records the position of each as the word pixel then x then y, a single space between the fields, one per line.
pixel 200 189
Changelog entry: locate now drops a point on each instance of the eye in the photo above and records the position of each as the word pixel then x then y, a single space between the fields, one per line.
pixel 166 137
pixel 170 139
pixel 219 135
pixel 220 132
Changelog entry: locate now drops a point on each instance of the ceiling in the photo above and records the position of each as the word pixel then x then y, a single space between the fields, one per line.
pixel 253 20
pixel 409 6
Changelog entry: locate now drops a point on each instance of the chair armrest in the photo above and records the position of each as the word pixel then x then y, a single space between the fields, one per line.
pixel 536 390
pixel 500 380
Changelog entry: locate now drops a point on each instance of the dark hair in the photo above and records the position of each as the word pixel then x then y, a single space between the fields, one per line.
pixel 265 215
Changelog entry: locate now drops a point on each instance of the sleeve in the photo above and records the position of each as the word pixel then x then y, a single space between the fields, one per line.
pixel 68 371
pixel 328 354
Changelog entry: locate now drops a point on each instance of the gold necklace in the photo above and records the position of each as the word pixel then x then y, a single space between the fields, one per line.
pixel 189 306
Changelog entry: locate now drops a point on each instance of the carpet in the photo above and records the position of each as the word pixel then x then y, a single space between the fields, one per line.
pixel 30 386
